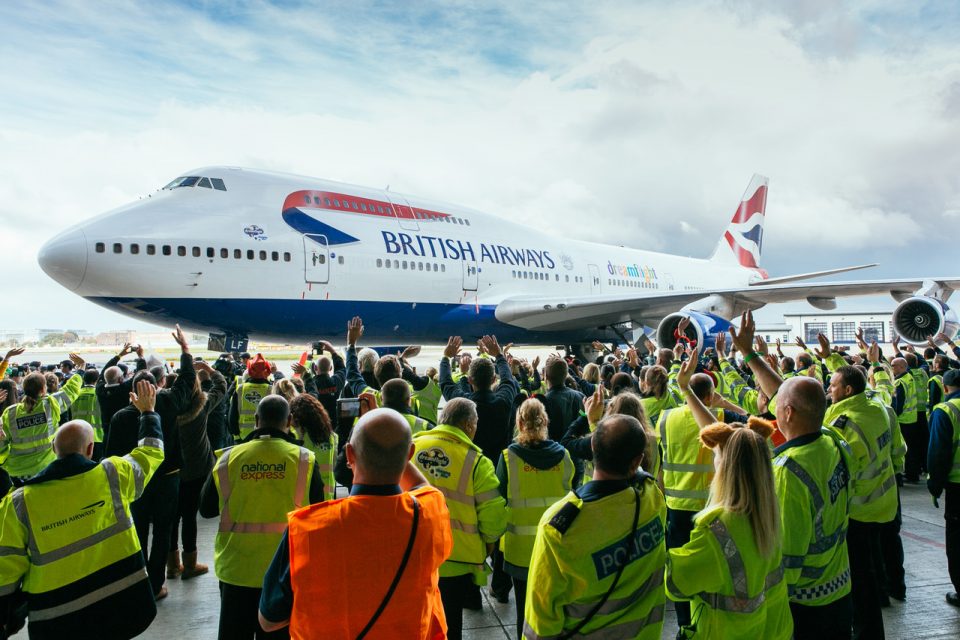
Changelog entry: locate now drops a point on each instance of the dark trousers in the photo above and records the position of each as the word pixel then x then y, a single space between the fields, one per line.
pixel 917 437
pixel 829 622
pixel 951 513
pixel 520 593
pixel 186 516
pixel 863 546
pixel 454 593
pixel 891 552
pixel 500 582
pixel 679 528
pixel 156 508
pixel 238 615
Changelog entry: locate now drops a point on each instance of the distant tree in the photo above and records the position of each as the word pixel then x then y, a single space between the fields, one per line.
pixel 70 336
pixel 52 340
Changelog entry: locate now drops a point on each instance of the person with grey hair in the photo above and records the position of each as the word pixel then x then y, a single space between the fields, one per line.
pixel 112 389
pixel 391 508
pixel 455 465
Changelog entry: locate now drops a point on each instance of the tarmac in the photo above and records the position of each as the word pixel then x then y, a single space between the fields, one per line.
pixel 193 606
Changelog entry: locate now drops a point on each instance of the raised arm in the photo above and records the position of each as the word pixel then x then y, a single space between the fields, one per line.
pixel 767 379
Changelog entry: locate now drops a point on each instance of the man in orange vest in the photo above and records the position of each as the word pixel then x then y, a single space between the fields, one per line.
pixel 365 565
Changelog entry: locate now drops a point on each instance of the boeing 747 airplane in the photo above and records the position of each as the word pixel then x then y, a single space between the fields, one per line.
pixel 243 254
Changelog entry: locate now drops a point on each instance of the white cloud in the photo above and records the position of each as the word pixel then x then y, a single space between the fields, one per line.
pixel 649 119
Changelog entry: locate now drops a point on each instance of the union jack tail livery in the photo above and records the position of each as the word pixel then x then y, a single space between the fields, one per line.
pixel 743 239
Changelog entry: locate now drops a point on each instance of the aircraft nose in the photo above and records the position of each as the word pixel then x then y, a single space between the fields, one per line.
pixel 64 258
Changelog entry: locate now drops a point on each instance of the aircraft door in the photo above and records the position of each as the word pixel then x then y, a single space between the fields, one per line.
pixel 403 212
pixel 316 256
pixel 470 277
pixel 594 278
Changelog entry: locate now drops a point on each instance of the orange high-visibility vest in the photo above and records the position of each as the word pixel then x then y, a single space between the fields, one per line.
pixel 344 555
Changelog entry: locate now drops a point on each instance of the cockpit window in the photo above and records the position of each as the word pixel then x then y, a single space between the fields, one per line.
pixel 197 181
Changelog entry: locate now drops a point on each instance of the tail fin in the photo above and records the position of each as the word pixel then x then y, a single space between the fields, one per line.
pixel 742 242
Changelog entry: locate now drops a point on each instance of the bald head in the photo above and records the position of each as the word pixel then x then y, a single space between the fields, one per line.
pixel 899 366
pixel 702 386
pixel 380 446
pixel 395 394
pixel 75 436
pixel 113 375
pixel 273 412
pixel 801 405
pixel 618 447
pixel 324 364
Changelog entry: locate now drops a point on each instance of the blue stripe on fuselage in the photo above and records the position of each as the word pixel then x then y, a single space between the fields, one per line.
pixel 307 224
pixel 306 320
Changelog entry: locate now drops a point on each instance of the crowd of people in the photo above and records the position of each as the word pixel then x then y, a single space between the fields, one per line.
pixel 757 491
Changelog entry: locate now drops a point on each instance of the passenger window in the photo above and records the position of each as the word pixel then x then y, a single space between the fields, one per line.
pixel 237 254
pixel 286 256
pixel 386 263
pixel 166 249
pixel 322 258
pixel 263 255
pixel 218 184
pixel 151 249
pixel 436 267
pixel 404 264
pixel 326 202
pixel 355 206
pixel 363 207
pixel 336 202
pixel 117 247
pixel 100 247
pixel 443 268
pixel 196 252
pixel 340 259
pixel 249 254
pixel 224 253
pixel 205 183
pixel 420 266
pixel 316 200
pixel 181 251
pixel 134 248
pixel 210 252
pixel 466 221
pixel 396 264
pixel 379 262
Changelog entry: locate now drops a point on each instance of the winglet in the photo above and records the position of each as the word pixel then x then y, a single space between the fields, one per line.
pixel 742 241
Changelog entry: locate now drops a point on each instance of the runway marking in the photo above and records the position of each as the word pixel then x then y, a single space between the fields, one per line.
pixel 932 543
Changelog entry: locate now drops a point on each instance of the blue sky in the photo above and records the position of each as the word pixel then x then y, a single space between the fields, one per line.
pixel 650 117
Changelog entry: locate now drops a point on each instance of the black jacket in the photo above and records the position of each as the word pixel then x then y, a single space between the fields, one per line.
pixel 112 398
pixel 194 442
pixel 563 406
pixel 170 403
pixel 493 407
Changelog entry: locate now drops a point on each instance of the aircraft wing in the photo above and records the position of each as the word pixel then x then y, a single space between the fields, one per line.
pixel 552 313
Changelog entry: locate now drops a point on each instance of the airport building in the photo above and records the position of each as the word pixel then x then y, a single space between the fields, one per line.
pixel 839 326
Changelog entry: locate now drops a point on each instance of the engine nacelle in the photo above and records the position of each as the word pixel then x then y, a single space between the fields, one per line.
pixel 703 328
pixel 918 318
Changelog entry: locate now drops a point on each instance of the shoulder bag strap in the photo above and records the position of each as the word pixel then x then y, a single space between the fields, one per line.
pixel 403 566
pixel 630 542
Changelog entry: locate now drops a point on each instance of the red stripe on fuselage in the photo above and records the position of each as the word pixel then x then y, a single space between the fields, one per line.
pixel 347 203
pixel 756 204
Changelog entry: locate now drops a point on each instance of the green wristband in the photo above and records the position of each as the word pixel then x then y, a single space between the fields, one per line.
pixel 750 356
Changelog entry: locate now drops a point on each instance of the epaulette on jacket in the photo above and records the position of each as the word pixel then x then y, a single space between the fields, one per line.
pixel 562 520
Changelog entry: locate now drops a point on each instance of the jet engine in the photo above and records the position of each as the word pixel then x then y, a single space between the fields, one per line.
pixel 921 317
pixel 703 329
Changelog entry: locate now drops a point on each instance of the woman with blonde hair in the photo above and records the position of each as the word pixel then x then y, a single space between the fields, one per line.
pixel 630 404
pixel 285 387
pixel 731 569
pixel 534 473
pixel 656 393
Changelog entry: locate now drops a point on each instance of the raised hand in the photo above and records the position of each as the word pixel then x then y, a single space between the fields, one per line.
pixel 410 352
pixel 14 352
pixel 536 363
pixel 596 344
pixel 453 347
pixel 145 397
pixel 873 352
pixel 762 347
pixel 895 343
pixel 632 358
pixel 326 346
pixel 139 350
pixel 801 343
pixel 298 368
pixel 593 405
pixel 743 338
pixel 201 365
pixel 721 345
pixel 491 346
pixel 682 325
pixel 354 330
pixel 181 339
pixel 506 348
pixel 824 350
pixel 76 360
pixel 687 369
pixel 942 337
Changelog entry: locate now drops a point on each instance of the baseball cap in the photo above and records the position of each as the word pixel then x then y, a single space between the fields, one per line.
pixel 952 378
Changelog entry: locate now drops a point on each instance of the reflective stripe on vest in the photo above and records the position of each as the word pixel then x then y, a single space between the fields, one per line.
pixel 248 408
pixel 123 523
pixel 582 609
pixel 683 480
pixel 740 602
pixel 909 413
pixel 524 510
pixel 227 524
pixel 823 542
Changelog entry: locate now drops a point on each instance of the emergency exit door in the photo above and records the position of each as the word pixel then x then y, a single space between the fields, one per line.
pixel 316 254
pixel 470 277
